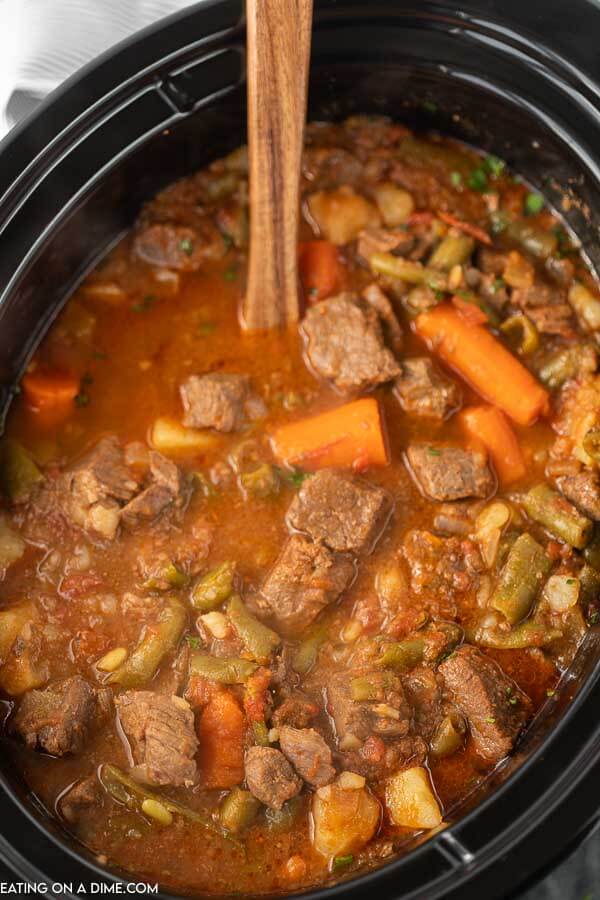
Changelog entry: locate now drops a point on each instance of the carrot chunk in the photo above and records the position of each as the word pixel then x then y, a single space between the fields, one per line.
pixel 320 269
pixel 50 394
pixel 221 735
pixel 350 436
pixel 490 426
pixel 484 362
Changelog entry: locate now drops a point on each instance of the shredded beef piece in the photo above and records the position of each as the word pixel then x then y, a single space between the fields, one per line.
pixel 179 246
pixel 423 390
pixel 382 240
pixel 450 473
pixel 494 705
pixel 306 578
pixel 296 710
pixel 388 714
pixel 392 331
pixel 345 512
pixel 378 759
pixel 161 734
pixel 270 777
pixel 344 343
pixel 166 487
pixel 583 490
pixel 221 401
pixel 83 795
pixel 309 754
pixel 424 690
pixel 60 719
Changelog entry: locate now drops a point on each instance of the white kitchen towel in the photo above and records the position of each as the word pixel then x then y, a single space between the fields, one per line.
pixel 42 42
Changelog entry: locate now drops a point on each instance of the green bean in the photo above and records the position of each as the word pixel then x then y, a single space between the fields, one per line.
pixel 523 333
pixel 453 250
pixel 536 241
pixel 403 654
pixel 128 791
pixel 527 634
pixel 521 579
pixel 157 640
pixel 238 810
pixel 591 554
pixel 258 640
pixel 226 670
pixel 170 577
pixel 308 651
pixel 213 588
pixel 18 472
pixel 549 509
pixel 591 443
pixel 449 736
pixel 370 687
pixel 585 304
pixel 407 271
pixel 262 482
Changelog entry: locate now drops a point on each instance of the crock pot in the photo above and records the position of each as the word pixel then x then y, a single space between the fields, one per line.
pixel 521 80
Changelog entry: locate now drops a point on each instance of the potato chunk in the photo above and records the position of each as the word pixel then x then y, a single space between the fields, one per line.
pixel 410 800
pixel 345 819
pixel 169 437
pixel 341 214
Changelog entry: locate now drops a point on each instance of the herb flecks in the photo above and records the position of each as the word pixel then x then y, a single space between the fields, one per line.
pixel 144 304
pixel 534 203
pixel 186 245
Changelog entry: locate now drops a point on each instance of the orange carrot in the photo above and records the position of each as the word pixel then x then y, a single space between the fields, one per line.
pixel 490 426
pixel 351 436
pixel 470 312
pixel 50 395
pixel 478 233
pixel 221 735
pixel 484 362
pixel 320 269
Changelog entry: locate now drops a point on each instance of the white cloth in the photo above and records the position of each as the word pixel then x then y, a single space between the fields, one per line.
pixel 42 42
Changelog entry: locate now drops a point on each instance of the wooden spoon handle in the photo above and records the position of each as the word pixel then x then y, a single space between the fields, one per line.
pixel 278 41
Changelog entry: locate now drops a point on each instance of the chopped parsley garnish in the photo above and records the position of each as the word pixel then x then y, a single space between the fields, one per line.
pixel 534 203
pixel 498 284
pixel 295 477
pixel 494 165
pixel 513 701
pixel 433 451
pixel 230 274
pixel 144 304
pixel 205 328
pixel 478 180
pixel 490 720
pixel 429 106
pixel 570 581
pixel 456 179
pixel 187 246
pixel 499 221
pixel 194 642
pixel 439 295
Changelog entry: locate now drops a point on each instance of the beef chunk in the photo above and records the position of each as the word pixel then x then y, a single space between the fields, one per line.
pixel 167 486
pixel 492 262
pixel 308 753
pixel 59 719
pixel 344 342
pixel 450 473
pixel 386 713
pixel 219 401
pixel 160 731
pixel 493 704
pixel 270 777
pixel 382 240
pixel 304 580
pixel 556 319
pixel 92 492
pixel 345 512
pixel 583 490
pixel 423 689
pixel 423 391
pixel 296 710
pixel 381 304
pixel 178 246
pixel 81 796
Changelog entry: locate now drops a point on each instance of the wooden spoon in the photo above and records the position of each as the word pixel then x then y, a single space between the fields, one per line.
pixel 278 51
